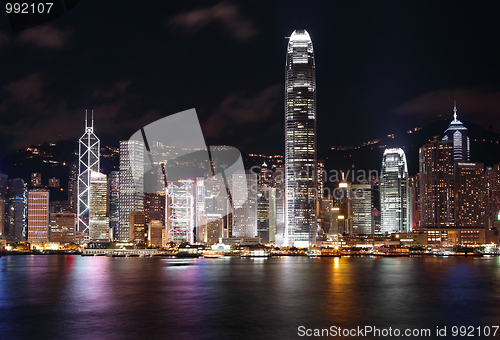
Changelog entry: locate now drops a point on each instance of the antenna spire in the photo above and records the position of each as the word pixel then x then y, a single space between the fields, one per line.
pixel 92 119
pixel 455 110
pixel 86 125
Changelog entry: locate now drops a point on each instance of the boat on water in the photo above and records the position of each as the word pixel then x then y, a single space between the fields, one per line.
pixel 256 253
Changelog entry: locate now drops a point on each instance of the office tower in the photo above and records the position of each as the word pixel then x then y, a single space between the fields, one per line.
pixel 38 215
pixel 245 216
pixel 436 162
pixel 343 197
pixel 394 198
pixel 362 209
pixel 156 231
pixel 181 212
pixel 98 216
pixel 325 214
pixel 137 227
pixel 17 209
pixel 36 179
pixel 154 207
pixel 131 184
pixel 320 178
pixel 4 199
pixel 492 195
pixel 73 188
pixel 279 180
pixel 88 161
pixel 414 187
pixel 201 210
pixel 266 176
pixel 266 214
pixel 375 183
pixel 114 204
pixel 300 141
pixel 469 195
pixel 457 134
pixel 62 227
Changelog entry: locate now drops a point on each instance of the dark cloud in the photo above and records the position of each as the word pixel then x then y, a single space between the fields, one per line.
pixel 46 36
pixel 115 90
pixel 25 88
pixel 223 13
pixel 477 106
pixel 238 109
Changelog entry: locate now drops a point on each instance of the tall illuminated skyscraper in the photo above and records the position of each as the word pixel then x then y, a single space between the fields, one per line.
pixel 88 161
pixel 394 197
pixel 130 184
pixel 300 141
pixel 38 215
pixel 99 217
pixel 437 201
pixel 457 133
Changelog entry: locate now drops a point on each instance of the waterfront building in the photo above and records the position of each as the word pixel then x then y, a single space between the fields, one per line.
pixel 300 141
pixel 88 161
pixel 156 233
pixel 469 195
pixel 130 184
pixel 279 181
pixel 457 134
pixel 38 215
pixel 62 227
pixel 492 195
pixel 362 209
pixel 436 173
pixel 375 183
pixel 245 213
pixel 137 227
pixel 114 204
pixel 394 198
pixel 181 212
pixel 98 210
pixel 17 210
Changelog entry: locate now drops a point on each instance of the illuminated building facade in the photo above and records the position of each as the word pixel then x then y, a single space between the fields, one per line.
pixel 362 209
pixel 300 141
pixel 88 161
pixel 279 181
pixel 436 174
pixel 17 209
pixel 62 227
pixel 98 216
pixel 181 212
pixel 492 193
pixel 131 184
pixel 394 198
pixel 137 227
pixel 38 215
pixel 245 216
pixel 469 195
pixel 114 203
pixel 457 134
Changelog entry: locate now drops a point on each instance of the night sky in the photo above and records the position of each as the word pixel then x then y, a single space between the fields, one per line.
pixel 381 67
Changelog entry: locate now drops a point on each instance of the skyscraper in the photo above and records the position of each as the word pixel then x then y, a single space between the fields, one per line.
pixel 131 184
pixel 361 197
pixel 88 160
pixel 394 198
pixel 17 210
pixel 181 212
pixel 38 215
pixel 457 133
pixel 114 204
pixel 300 141
pixel 245 216
pixel 469 195
pixel 436 163
pixel 98 217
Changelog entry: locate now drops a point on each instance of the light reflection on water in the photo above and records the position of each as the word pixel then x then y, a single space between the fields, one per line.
pixel 68 297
